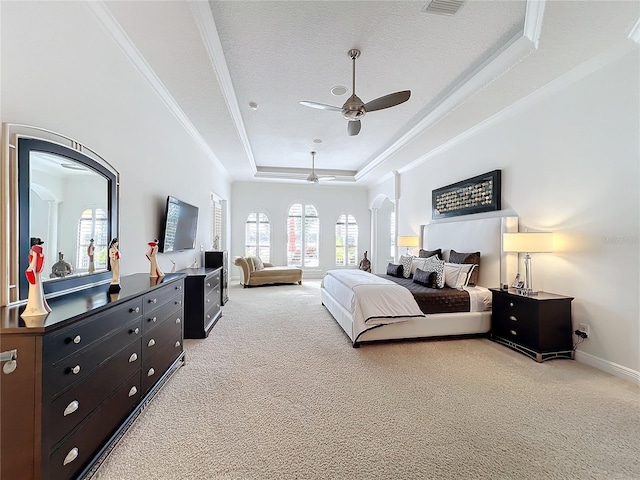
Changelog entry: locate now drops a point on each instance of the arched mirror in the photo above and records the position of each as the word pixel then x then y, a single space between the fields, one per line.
pixel 67 197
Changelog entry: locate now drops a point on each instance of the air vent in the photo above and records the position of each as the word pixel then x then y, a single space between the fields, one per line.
pixel 443 7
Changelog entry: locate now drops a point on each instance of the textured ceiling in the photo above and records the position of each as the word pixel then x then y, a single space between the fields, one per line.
pixel 214 59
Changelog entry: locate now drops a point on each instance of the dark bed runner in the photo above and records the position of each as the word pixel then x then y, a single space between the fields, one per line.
pixel 434 300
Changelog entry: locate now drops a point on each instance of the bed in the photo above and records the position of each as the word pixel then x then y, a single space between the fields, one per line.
pixel 374 316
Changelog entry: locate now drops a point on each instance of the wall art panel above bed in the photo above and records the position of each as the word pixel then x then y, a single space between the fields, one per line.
pixel 473 195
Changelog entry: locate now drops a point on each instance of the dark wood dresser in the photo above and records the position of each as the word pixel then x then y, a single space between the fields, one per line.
pixel 202 300
pixel 84 372
pixel 215 259
pixel 538 326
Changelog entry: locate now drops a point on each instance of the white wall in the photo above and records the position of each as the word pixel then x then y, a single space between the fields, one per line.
pixel 276 199
pixel 62 71
pixel 570 164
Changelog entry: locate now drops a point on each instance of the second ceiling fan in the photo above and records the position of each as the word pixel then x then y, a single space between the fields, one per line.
pixel 354 108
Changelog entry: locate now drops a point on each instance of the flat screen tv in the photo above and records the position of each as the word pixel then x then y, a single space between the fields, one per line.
pixel 180 226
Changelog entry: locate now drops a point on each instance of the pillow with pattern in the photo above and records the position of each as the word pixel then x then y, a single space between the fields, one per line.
pixel 406 261
pixel 474 258
pixel 433 264
pixel 430 253
pixel 257 263
pixel 394 270
pixel 424 278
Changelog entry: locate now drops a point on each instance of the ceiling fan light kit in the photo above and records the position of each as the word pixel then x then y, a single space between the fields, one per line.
pixel 313 178
pixel 354 108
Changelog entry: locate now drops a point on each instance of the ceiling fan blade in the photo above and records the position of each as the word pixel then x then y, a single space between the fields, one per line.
pixel 387 101
pixel 353 127
pixel 320 106
pixel 326 178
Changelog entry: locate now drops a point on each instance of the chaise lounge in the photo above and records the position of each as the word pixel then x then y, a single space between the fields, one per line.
pixel 251 276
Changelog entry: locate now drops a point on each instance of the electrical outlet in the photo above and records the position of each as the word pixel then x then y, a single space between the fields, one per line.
pixel 583 327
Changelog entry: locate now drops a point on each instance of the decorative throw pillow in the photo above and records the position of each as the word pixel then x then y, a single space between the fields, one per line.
pixel 417 263
pixel 394 270
pixel 433 264
pixel 406 261
pixel 257 263
pixel 430 253
pixel 456 275
pixel 474 258
pixel 424 278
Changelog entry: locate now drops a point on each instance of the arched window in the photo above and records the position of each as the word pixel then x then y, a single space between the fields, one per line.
pixel 257 236
pixel 303 233
pixel 346 241
pixel 92 224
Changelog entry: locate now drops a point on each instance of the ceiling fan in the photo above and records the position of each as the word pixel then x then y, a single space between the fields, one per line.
pixel 313 178
pixel 354 108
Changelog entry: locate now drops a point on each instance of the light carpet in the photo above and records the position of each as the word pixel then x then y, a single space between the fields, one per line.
pixel 277 392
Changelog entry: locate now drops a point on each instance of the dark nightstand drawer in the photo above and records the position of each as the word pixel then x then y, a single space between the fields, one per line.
pixel 539 326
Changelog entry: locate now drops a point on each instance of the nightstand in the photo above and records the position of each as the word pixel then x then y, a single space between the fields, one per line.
pixel 538 326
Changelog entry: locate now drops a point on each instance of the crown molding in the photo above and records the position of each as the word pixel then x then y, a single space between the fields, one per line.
pixel 501 61
pixel 206 24
pixel 590 66
pixel 113 28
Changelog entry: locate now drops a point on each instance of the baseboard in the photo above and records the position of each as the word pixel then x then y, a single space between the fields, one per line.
pixel 609 367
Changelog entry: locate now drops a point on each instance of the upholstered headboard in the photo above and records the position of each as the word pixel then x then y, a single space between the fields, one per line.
pixel 482 235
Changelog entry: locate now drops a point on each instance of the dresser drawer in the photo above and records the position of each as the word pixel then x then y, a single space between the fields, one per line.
pixel 157 315
pixel 160 296
pixel 77 337
pixel 212 298
pixel 58 377
pixel 75 452
pixel 211 282
pixel 157 365
pixel 163 334
pixel 73 406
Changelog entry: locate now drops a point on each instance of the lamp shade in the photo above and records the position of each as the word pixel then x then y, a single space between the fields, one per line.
pixel 408 241
pixel 528 242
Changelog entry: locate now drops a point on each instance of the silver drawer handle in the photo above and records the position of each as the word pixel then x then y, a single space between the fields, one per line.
pixel 133 357
pixel 77 339
pixel 71 456
pixel 208 300
pixel 513 332
pixel 133 391
pixel 150 372
pixel 72 407
pixel 134 310
pixel 177 344
pixel 179 302
pixel 153 319
pixel 511 304
pixel 76 369
pixel 512 318
pixel 208 316
pixel 208 284
pixel 179 288
pixel 154 300
pixel 10 358
pixel 135 330
pixel 151 343
pixel 178 320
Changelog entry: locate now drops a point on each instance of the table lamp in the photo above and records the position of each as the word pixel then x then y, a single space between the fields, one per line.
pixel 409 241
pixel 528 242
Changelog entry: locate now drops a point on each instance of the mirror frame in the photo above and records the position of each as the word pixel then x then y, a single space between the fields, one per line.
pixel 18 143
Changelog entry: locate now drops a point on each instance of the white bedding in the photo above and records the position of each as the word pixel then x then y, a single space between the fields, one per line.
pixel 371 300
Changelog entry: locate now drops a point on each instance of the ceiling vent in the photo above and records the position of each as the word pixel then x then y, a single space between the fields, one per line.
pixel 443 7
